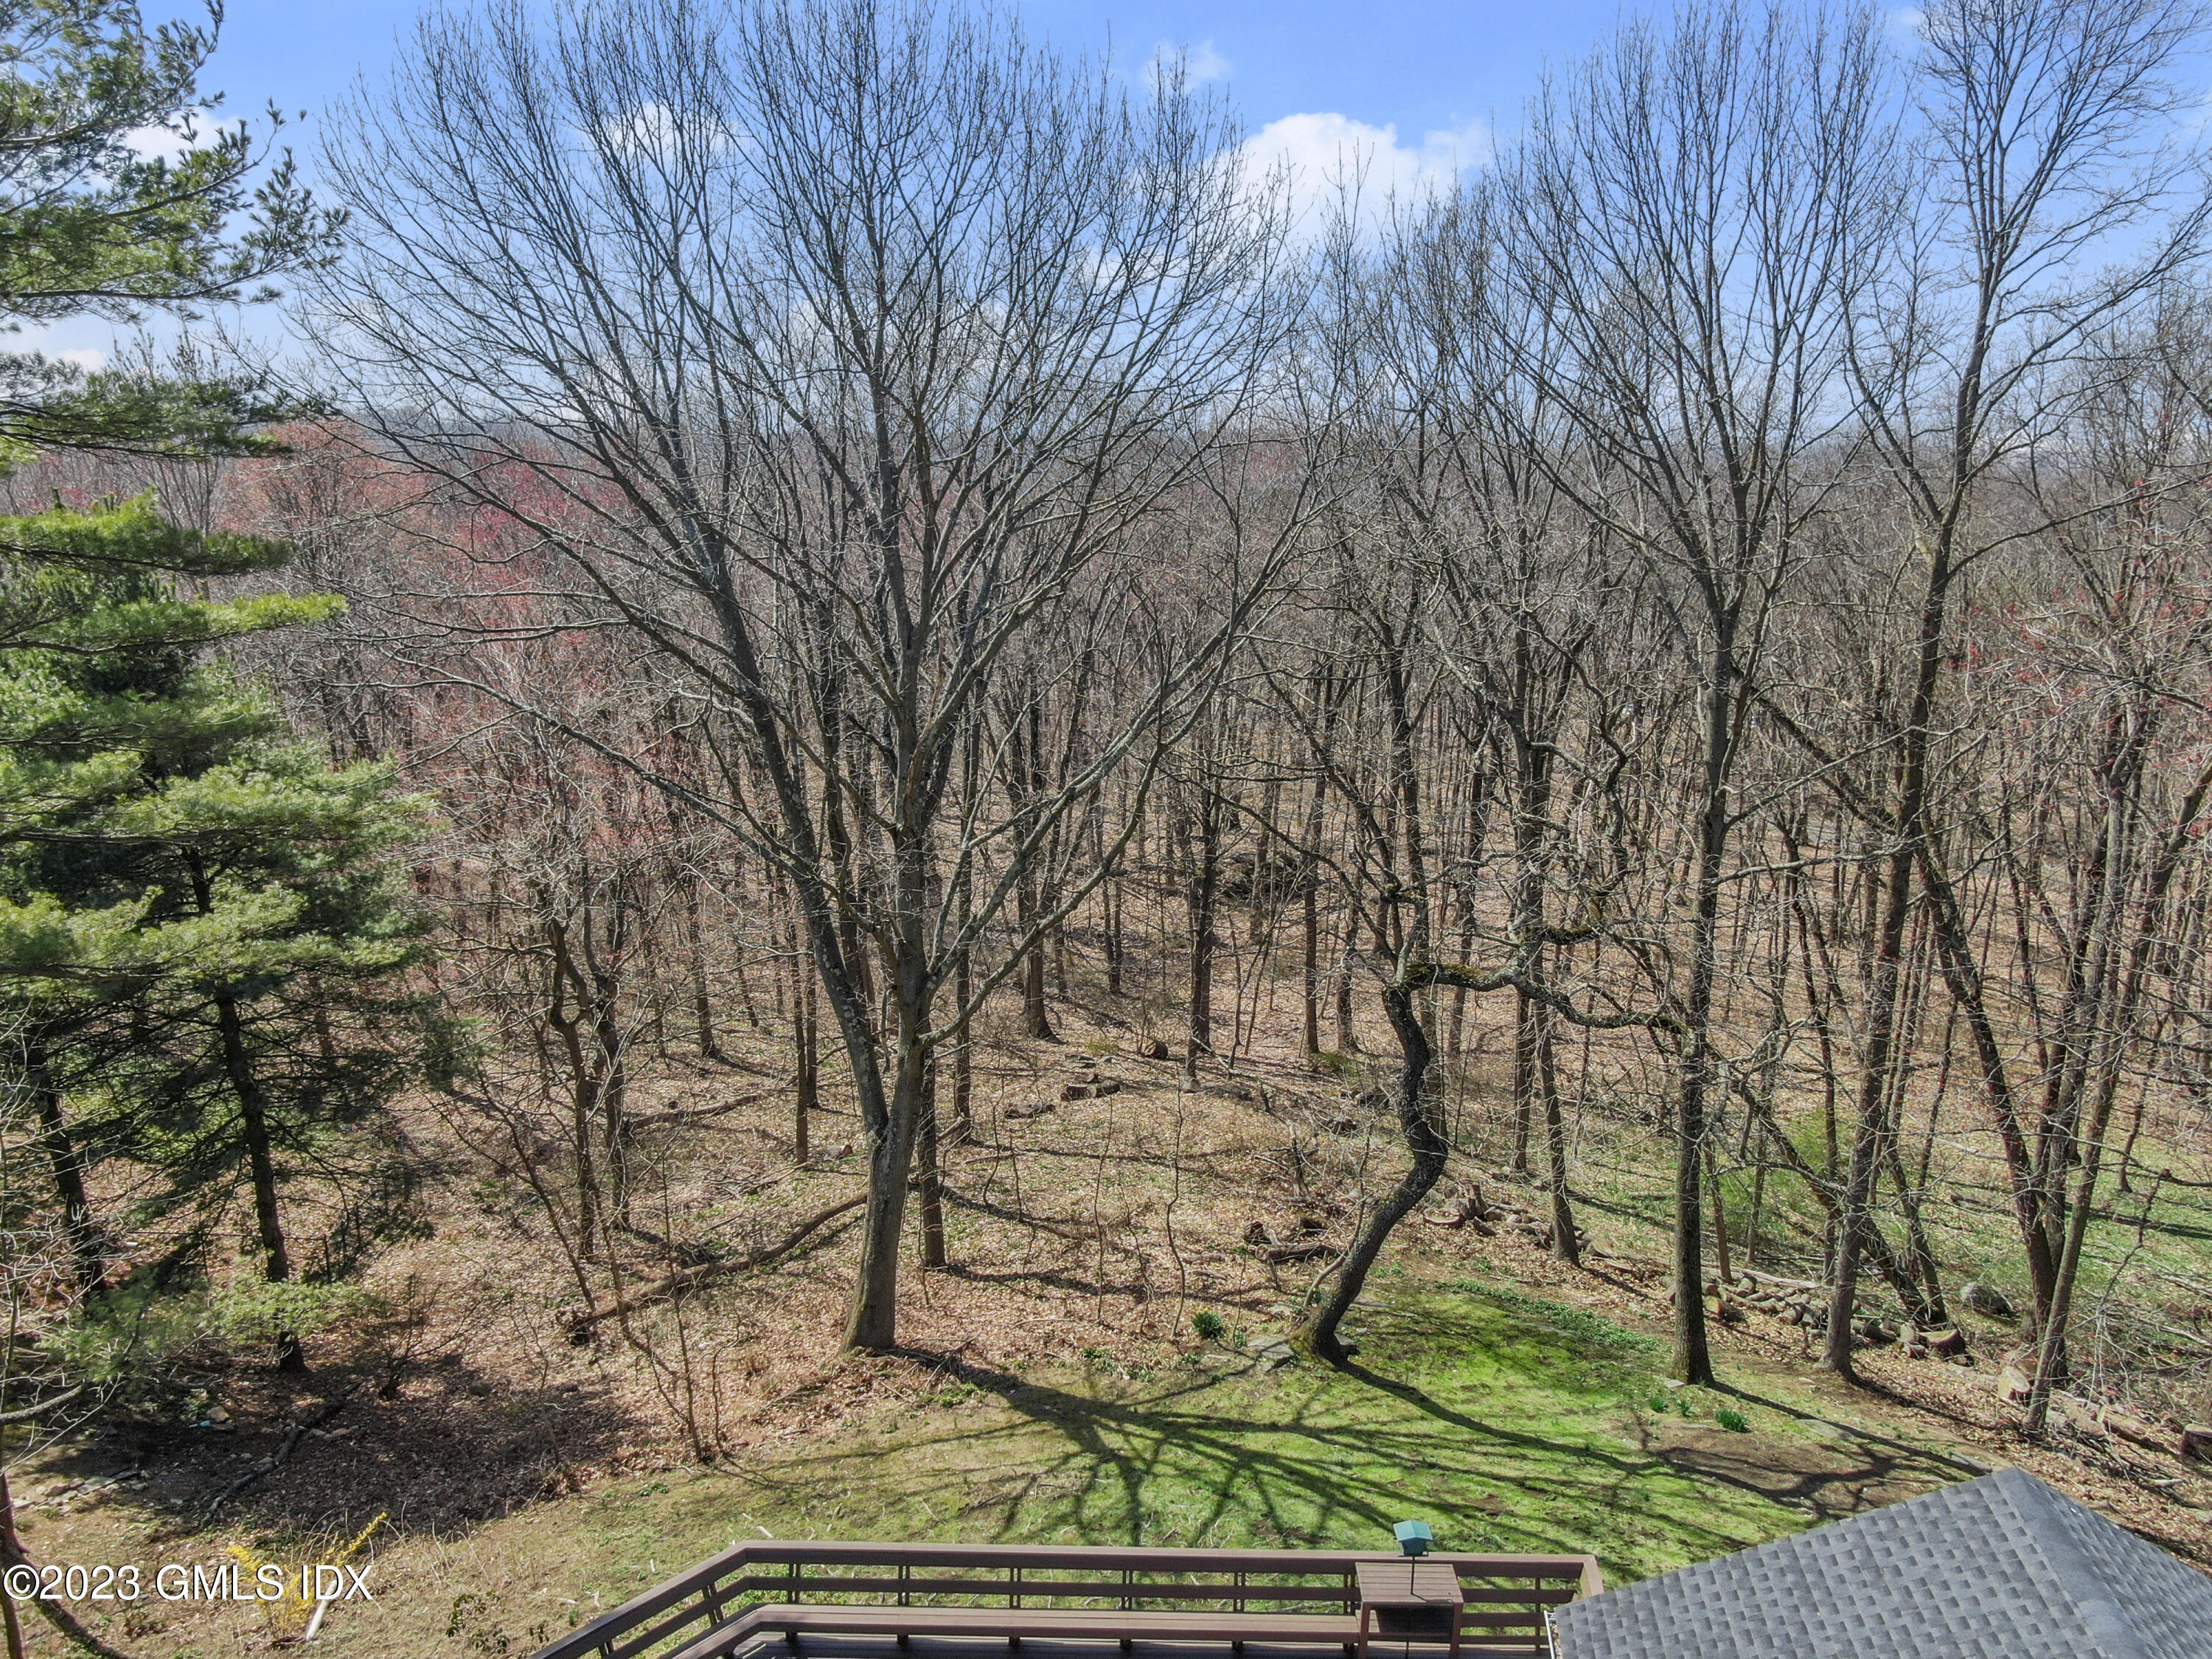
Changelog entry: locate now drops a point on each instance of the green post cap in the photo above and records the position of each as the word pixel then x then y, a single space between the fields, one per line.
pixel 1414 1537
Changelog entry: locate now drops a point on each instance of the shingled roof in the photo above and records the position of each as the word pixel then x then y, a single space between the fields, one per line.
pixel 1998 1568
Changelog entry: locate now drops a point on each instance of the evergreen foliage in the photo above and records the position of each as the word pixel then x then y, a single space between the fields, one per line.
pixel 203 932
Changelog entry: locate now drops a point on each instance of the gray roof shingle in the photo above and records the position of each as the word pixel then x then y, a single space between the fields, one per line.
pixel 1998 1568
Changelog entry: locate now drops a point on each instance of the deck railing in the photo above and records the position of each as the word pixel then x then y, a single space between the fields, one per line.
pixel 1507 1595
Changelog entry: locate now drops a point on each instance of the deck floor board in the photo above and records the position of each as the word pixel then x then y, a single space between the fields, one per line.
pixel 769 1645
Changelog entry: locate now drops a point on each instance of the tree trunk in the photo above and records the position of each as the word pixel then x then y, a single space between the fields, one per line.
pixel 1526 1038
pixel 1424 1139
pixel 932 1176
pixel 1886 992
pixel 1204 900
pixel 67 1162
pixel 1310 899
pixel 1347 1033
pixel 806 1044
pixel 1564 1243
pixel 254 1120
pixel 1693 1357
pixel 873 1323
pixel 1037 1016
pixel 702 1011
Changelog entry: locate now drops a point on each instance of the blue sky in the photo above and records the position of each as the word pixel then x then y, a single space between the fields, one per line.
pixel 1414 89
pixel 1417 68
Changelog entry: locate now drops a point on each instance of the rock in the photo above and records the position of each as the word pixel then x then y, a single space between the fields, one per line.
pixel 2195 1444
pixel 1275 1355
pixel 1985 1300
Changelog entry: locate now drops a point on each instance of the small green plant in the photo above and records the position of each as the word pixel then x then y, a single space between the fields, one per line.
pixel 1732 1420
pixel 1336 1065
pixel 1095 1356
pixel 1209 1325
pixel 1658 1402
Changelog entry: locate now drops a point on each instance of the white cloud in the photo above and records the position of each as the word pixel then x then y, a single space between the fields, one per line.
pixel 156 143
pixel 1326 152
pixel 1904 21
pixel 91 360
pixel 655 130
pixel 1199 64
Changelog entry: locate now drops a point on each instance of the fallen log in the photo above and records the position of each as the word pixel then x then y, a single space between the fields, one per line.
pixel 1744 1275
pixel 51 1403
pixel 579 1322
pixel 268 1466
pixel 679 1114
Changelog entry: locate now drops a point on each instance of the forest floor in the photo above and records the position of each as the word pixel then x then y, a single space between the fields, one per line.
pixel 1052 1387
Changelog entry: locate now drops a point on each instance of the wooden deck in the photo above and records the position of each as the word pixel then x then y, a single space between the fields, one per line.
pixel 860 1600
pixel 767 1645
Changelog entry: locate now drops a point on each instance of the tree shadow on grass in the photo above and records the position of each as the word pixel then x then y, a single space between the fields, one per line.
pixel 1299 1457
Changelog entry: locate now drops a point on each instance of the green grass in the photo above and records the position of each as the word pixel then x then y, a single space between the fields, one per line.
pixel 1506 1423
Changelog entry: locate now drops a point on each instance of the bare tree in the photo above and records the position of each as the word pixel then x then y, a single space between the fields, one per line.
pixel 2042 122
pixel 1694 216
pixel 826 347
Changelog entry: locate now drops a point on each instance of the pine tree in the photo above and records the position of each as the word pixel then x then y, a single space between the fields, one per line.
pixel 197 921
pixel 184 892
